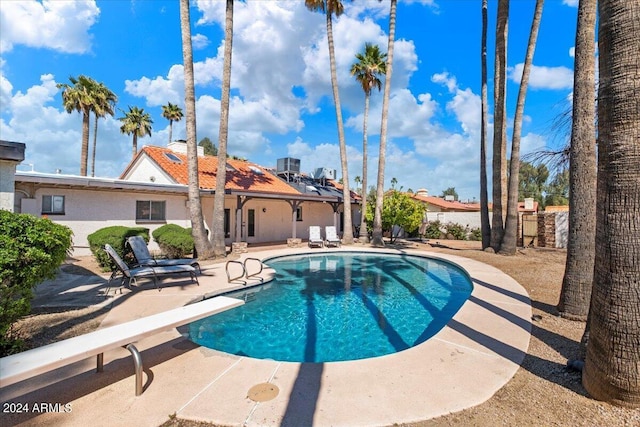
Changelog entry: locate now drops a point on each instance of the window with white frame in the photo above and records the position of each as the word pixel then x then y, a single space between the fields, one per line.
pixel 151 210
pixel 53 205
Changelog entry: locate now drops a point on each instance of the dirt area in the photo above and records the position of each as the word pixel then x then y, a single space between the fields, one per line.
pixel 542 393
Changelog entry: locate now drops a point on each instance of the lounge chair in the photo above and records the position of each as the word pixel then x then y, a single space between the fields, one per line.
pixel 132 274
pixel 144 258
pixel 332 238
pixel 315 239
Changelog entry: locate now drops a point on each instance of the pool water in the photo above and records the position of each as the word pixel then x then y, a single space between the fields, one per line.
pixel 338 306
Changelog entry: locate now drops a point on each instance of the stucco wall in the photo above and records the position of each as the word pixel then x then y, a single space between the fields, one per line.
pixel 7 172
pixel 470 219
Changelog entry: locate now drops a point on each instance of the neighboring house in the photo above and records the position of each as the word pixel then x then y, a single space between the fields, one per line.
pixel 261 205
pixel 448 210
pixel 11 153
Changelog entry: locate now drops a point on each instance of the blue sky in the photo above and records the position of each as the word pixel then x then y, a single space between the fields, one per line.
pixel 282 103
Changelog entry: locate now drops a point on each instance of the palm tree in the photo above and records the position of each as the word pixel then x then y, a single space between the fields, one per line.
pixel 137 123
pixel 198 230
pixel 499 165
pixel 329 8
pixel 173 113
pixel 578 275
pixel 377 216
pixel 104 102
pixel 219 248
pixel 370 65
pixel 484 198
pixel 79 97
pixel 510 237
pixel 612 367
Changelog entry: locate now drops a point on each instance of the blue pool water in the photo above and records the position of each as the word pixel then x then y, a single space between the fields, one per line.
pixel 338 306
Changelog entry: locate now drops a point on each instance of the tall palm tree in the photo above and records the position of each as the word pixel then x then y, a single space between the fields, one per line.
pixel 203 246
pixel 484 198
pixel 219 248
pixel 612 367
pixel 578 275
pixel 137 123
pixel 499 164
pixel 370 65
pixel 510 237
pixel 382 158
pixel 104 103
pixel 79 97
pixel 330 8
pixel 173 113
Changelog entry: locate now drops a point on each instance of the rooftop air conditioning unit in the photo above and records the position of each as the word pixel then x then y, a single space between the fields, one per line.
pixel 324 173
pixel 449 198
pixel 288 165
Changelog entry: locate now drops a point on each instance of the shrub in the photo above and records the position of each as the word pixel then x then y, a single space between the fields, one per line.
pixel 174 241
pixel 433 230
pixel 476 234
pixel 31 250
pixel 116 236
pixel 456 230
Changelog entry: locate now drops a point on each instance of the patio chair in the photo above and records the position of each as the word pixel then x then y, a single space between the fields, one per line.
pixel 132 274
pixel 331 236
pixel 144 258
pixel 315 239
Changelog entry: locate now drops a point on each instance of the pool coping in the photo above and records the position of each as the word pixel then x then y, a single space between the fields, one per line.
pixel 463 365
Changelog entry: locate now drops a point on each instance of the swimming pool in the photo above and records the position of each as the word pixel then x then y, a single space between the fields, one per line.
pixel 338 306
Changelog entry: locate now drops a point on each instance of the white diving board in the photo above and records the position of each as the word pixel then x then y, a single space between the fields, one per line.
pixel 28 364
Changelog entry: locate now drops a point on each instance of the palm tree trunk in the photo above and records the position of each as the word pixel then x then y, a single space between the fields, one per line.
pixel 377 217
pixel 484 198
pixel 510 237
pixel 612 367
pixel 134 150
pixel 204 249
pixel 499 166
pixel 363 236
pixel 171 129
pixel 578 275
pixel 347 230
pixel 219 247
pixel 95 143
pixel 84 149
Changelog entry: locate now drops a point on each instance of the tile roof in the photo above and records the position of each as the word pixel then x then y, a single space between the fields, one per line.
pixel 446 204
pixel 241 175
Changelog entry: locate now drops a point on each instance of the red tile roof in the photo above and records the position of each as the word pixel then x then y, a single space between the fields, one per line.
pixel 451 206
pixel 241 175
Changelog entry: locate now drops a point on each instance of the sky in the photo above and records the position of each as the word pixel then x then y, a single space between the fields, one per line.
pixel 281 98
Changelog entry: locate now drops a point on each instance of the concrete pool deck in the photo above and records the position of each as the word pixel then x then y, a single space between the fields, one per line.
pixel 463 365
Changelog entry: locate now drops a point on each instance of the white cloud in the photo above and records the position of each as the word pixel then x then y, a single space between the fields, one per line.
pixel 572 51
pixel 58 25
pixel 544 77
pixel 199 41
pixel 571 3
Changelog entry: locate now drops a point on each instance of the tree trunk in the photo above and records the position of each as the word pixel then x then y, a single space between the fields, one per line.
pixel 95 143
pixel 612 367
pixel 347 231
pixel 363 236
pixel 84 149
pixel 171 122
pixel 377 217
pixel 134 149
pixel 203 246
pixel 499 166
pixel 578 275
pixel 219 248
pixel 484 198
pixel 510 237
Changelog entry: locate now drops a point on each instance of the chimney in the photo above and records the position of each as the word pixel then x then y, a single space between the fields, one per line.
pixel 180 146
pixel 528 204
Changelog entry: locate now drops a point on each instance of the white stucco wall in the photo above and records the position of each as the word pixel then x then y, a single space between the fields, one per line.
pixel 470 219
pixel 145 170
pixel 7 182
pixel 562 229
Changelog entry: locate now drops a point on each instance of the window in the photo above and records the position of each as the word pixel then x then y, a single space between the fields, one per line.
pixel 251 223
pixel 227 223
pixel 150 210
pixel 298 214
pixel 53 205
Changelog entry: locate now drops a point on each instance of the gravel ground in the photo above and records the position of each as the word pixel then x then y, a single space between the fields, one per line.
pixel 543 392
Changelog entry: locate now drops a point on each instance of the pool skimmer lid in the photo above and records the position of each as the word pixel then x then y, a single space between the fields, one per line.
pixel 263 392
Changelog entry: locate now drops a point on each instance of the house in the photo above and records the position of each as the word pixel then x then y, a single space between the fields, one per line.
pixel 261 204
pixel 449 210
pixel 11 154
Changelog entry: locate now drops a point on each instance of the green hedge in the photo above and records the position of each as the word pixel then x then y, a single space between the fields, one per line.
pixel 174 241
pixel 31 250
pixel 116 236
